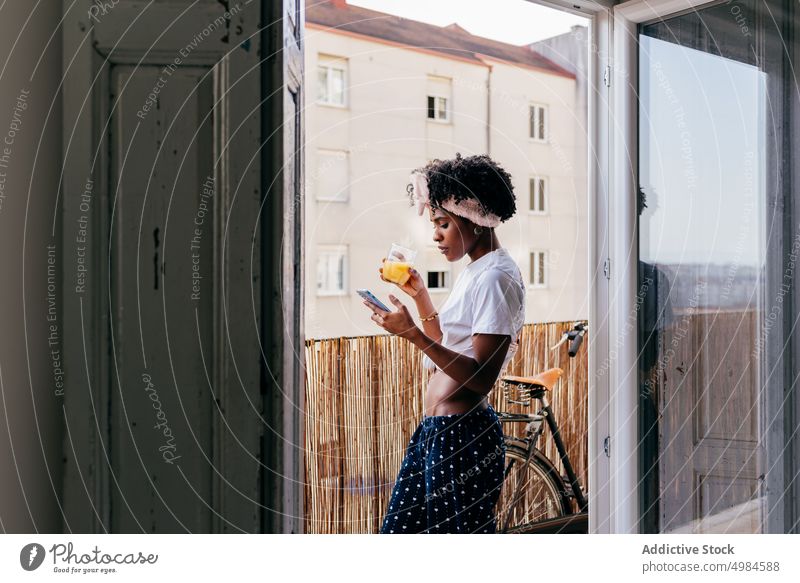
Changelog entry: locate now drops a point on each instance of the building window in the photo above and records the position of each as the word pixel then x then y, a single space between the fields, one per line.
pixel 538 122
pixel 331 177
pixel 332 270
pixel 438 280
pixel 538 194
pixel 437 108
pixel 332 78
pixel 538 276
pixel 438 274
pixel 439 101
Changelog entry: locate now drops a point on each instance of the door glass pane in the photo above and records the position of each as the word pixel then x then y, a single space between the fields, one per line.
pixel 710 221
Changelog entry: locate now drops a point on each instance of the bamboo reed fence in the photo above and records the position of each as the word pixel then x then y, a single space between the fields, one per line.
pixel 364 399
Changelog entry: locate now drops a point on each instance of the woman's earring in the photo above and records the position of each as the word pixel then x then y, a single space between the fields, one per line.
pixel 477 230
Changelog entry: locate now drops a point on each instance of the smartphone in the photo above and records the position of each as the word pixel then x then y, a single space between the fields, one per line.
pixel 370 297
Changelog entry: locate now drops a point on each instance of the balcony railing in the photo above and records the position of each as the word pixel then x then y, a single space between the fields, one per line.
pixel 364 399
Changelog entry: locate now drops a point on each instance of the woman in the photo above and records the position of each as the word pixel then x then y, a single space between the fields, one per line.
pixel 451 476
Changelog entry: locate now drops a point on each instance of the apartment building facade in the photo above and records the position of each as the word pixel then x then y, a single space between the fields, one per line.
pixel 385 95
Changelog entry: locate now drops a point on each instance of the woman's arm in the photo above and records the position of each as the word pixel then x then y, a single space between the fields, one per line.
pixel 475 374
pixel 425 308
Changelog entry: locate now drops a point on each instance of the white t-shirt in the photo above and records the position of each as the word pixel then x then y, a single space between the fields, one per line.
pixel 489 298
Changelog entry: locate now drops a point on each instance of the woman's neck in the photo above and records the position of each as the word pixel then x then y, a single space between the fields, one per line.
pixel 484 245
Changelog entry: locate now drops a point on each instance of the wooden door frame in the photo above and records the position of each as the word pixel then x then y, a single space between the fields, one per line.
pixel 283 270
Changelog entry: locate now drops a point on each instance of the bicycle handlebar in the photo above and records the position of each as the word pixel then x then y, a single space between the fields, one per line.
pixel 576 334
pixel 576 344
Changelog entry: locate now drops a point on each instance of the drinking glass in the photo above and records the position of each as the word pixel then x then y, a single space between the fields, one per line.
pixel 399 260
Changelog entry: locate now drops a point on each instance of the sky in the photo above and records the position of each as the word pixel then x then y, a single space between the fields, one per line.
pixel 704 176
pixel 515 22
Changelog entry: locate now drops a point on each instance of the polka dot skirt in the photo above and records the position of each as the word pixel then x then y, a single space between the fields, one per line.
pixel 450 478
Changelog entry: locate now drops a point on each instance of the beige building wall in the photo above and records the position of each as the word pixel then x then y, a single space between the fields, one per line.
pixel 383 132
pixel 561 231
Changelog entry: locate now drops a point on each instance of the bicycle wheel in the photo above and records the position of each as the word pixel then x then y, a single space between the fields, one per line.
pixel 541 496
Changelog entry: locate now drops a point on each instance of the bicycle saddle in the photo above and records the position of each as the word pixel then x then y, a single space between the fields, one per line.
pixel 546 379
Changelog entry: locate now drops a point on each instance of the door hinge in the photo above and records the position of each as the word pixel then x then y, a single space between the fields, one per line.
pixel 607 446
pixel 607 268
pixel 607 76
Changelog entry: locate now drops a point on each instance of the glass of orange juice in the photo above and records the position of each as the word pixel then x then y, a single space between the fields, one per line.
pixel 398 262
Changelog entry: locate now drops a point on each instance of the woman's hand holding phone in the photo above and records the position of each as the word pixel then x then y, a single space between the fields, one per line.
pixel 399 322
pixel 413 286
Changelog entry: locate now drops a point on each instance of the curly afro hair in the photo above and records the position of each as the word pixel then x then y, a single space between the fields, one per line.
pixel 477 177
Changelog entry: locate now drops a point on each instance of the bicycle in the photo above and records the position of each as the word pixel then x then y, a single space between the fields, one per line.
pixel 534 497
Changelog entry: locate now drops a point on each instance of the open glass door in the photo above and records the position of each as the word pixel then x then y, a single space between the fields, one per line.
pixel 716 269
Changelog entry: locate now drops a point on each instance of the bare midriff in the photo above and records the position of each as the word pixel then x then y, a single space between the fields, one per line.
pixel 446 396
